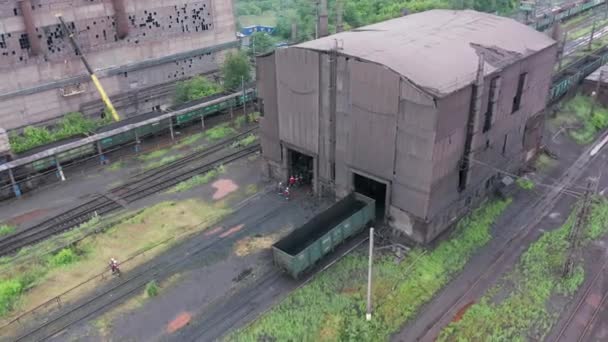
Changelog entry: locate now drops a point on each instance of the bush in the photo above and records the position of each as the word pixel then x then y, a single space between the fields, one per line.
pixel 64 257
pixel 195 88
pixel 6 229
pixel 525 183
pixel 152 289
pixel 71 125
pixel 10 290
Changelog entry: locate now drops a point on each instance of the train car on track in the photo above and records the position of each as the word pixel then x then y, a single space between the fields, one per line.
pixel 563 12
pixel 300 250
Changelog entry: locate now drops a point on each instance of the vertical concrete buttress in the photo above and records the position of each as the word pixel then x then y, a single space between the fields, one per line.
pixel 120 17
pixel 30 27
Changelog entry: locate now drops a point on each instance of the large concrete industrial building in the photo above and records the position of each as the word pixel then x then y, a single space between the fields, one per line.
pixel 421 112
pixel 138 47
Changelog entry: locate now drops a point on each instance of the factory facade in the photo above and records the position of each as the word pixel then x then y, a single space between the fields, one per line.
pixel 424 112
pixel 138 48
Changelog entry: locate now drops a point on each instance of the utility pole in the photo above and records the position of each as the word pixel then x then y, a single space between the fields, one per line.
pixel 339 9
pixel 368 315
pixel 575 233
pixel 244 103
pixel 294 32
pixel 592 33
pixel 323 19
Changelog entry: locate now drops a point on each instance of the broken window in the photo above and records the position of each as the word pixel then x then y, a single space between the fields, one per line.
pixel 492 98
pixel 520 89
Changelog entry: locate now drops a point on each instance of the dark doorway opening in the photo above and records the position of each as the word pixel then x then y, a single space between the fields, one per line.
pixel 301 167
pixel 372 189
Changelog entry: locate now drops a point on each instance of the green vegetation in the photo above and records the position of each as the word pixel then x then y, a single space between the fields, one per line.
pixel 332 306
pixel 34 275
pixel 219 132
pixel 254 116
pixel 153 155
pixel 71 125
pixel 6 229
pixel 586 31
pixel 12 288
pixel 240 121
pixel 523 313
pixel 525 183
pixel 116 165
pixel 236 70
pixel 152 289
pixel 544 162
pixel 356 12
pixel 195 88
pixel 261 43
pixel 164 161
pixel 246 141
pixel 191 139
pixel 198 180
pixel 577 113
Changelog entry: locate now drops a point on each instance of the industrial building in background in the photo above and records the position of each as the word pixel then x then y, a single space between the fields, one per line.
pixel 138 49
pixel 423 113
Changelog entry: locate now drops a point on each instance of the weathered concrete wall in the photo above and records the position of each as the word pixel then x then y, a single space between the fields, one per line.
pixel 165 43
pixel 506 134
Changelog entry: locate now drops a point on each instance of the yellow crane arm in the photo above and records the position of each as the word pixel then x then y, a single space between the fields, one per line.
pixel 94 78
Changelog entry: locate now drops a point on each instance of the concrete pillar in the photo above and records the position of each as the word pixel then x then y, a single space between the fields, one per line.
pixel 137 142
pixel 171 129
pixel 120 17
pixel 323 24
pixel 203 121
pixel 14 184
pixel 285 164
pixel 315 176
pixel 59 169
pixel 102 158
pixel 30 27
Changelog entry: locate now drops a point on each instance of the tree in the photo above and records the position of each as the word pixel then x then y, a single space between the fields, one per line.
pixel 260 43
pixel 195 88
pixel 236 68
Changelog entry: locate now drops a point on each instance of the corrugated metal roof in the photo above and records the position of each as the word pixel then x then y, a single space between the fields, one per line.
pixel 437 49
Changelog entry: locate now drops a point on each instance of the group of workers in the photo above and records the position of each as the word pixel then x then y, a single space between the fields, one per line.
pixel 293 181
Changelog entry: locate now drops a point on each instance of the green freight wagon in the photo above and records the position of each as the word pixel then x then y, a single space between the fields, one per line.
pixel 306 245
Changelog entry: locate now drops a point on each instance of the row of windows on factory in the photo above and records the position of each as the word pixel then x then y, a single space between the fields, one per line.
pixel 493 99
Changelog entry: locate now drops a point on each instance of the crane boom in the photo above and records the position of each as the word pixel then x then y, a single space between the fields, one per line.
pixel 94 78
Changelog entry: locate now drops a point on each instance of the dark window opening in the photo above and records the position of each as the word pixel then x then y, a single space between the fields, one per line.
pixel 333 171
pixel 491 101
pixel 487 144
pixel 520 90
pixel 372 189
pixel 504 145
pixel 301 166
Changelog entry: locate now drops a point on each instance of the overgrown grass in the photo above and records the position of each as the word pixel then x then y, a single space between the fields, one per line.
pixel 163 161
pixel 189 140
pixel 332 306
pixel 12 288
pixel 198 180
pixel 153 155
pixel 525 183
pixel 246 141
pixel 219 132
pixel 72 124
pixel 6 229
pixel 544 162
pixel 584 125
pixel 116 166
pixel 44 276
pixel 586 31
pixel 195 88
pixel 523 314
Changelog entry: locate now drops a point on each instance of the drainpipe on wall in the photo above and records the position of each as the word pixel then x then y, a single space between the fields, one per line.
pixel 120 17
pixel 30 27
pixel 476 98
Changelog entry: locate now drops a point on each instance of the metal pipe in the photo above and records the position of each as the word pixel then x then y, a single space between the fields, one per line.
pixel 30 27
pixel 120 17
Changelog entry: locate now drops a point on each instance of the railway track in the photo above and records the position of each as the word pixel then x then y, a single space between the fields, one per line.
pixel 116 293
pixel 139 187
pixel 586 310
pixel 537 211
